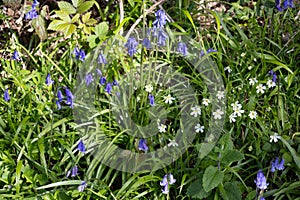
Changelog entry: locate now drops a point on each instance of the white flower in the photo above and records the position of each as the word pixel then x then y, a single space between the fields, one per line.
pixel 172 143
pixel 274 137
pixel 218 114
pixel 243 54
pixel 196 111
pixel 205 102
pixel 271 84
pixel 169 99
pixel 228 69
pixel 199 128
pixel 220 94
pixel 253 114
pixel 162 128
pixel 236 105
pixel 252 81
pixel 260 88
pixel 149 88
pixel 232 118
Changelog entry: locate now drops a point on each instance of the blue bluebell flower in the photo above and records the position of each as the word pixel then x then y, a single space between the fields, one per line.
pixel 82 186
pixel 74 172
pixel 102 80
pixel 6 95
pixel 261 182
pixel 182 48
pixel 262 198
pixel 162 36
pixel 89 79
pixel 81 146
pixel 99 72
pixel 143 145
pixel 115 83
pixel 59 96
pixel 101 59
pixel 131 46
pixel 288 3
pixel 161 19
pixel 48 80
pixel 151 100
pixel 277 5
pixel 58 104
pixel 35 3
pixel 146 43
pixel 70 97
pixel 32 14
pixel 108 88
pixel 166 182
pixel 273 74
pixel 210 50
pixel 16 56
pixel 79 54
pixel 280 166
pixel 165 189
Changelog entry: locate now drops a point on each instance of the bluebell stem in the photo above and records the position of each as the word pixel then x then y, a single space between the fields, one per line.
pixel 146 43
pixel 143 145
pixel 182 48
pixel 81 146
pixel 161 19
pixel 16 56
pixel 102 80
pixel 277 5
pixel 131 46
pixel 6 95
pixel 89 79
pixel 48 80
pixel 151 100
pixel 82 186
pixel 260 181
pixel 162 36
pixel 101 59
pixel 70 97
pixel 108 88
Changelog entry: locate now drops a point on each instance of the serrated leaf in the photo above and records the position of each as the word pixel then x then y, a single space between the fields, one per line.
pixel 69 30
pixel 91 22
pixel 232 191
pixel 86 17
pixel 85 6
pixel 67 7
pixel 101 29
pixel 75 3
pixel 195 190
pixel 75 18
pixel 232 156
pixel 40 27
pixel 87 30
pixel 63 15
pixel 57 25
pixel 212 178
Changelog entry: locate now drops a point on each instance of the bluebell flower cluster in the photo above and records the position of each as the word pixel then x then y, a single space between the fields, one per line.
pixel 131 46
pixel 273 74
pixel 79 54
pixel 143 145
pixel 146 43
pixel 16 56
pixel 161 37
pixel 151 100
pixel 286 4
pixel 6 95
pixel 277 165
pixel 48 80
pixel 108 88
pixel 167 180
pixel 82 186
pixel 32 14
pixel 101 59
pixel 88 79
pixel 182 48
pixel 81 146
pixel 60 98
pixel 73 172
pixel 161 19
pixel 261 182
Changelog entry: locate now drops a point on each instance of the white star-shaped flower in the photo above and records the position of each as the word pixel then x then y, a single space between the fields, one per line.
pixel 253 114
pixel 149 88
pixel 218 114
pixel 274 137
pixel 196 111
pixel 228 69
pixel 162 128
pixel 252 81
pixel 168 99
pixel 172 143
pixel 236 105
pixel 271 84
pixel 205 102
pixel 238 111
pixel 232 118
pixel 199 128
pixel 220 95
pixel 260 88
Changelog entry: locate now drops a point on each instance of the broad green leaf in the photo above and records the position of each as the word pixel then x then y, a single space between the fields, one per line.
pixel 232 191
pixel 92 41
pixel 85 6
pixel 67 7
pixel 75 3
pixel 75 18
pixel 69 30
pixel 63 15
pixel 195 190
pixel 101 29
pixel 212 178
pixel 57 25
pixel 232 156
pixel 293 152
pixel 40 27
pixel 86 17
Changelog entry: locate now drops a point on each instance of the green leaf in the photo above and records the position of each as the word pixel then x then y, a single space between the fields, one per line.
pixel 63 15
pixel 101 30
pixel 293 152
pixel 75 3
pixel 73 182
pixel 195 190
pixel 92 41
pixel 187 14
pixel 57 25
pixel 232 191
pixel 212 178
pixel 67 7
pixel 40 27
pixel 85 6
pixel 232 156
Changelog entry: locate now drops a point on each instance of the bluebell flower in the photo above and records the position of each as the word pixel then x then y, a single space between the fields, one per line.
pixel 260 181
pixel 166 182
pixel 277 5
pixel 165 189
pixel 74 171
pixel 151 100
pixel 146 43
pixel 101 59
pixel 280 166
pixel 161 19
pixel 6 95
pixel 48 80
pixel 273 74
pixel 35 3
pixel 58 104
pixel 288 3
pixel 171 179
pixel 32 14
pixel 79 54
pixel 70 97
pixel 102 80
pixel 115 83
pixel 273 166
pixel 143 145
pixel 16 56
pixel 108 88
pixel 81 147
pixel 99 72
pixel 182 48
pixel 82 186
pixel 89 79
pixel 59 96
pixel 131 46
pixel 162 36
pixel 262 198
pixel 210 50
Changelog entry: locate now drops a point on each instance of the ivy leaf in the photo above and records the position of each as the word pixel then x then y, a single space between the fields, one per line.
pixel 67 7
pixel 212 178
pixel 85 6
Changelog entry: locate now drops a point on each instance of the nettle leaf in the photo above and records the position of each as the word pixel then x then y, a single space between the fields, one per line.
pixel 63 15
pixel 212 178
pixel 232 156
pixel 85 6
pixel 40 27
pixel 101 30
pixel 67 7
pixel 195 190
